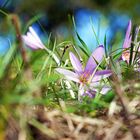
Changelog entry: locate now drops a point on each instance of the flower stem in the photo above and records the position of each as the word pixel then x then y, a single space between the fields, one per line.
pixel 53 55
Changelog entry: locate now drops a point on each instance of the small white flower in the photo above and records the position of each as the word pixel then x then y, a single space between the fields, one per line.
pixel 32 40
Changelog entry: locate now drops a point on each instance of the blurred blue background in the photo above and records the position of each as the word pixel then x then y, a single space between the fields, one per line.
pixel 106 17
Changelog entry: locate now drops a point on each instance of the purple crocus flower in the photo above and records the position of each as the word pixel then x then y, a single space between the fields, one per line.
pixel 126 47
pixel 127 44
pixel 32 40
pixel 88 75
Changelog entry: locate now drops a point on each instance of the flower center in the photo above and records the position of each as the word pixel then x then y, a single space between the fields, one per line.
pixel 126 56
pixel 84 77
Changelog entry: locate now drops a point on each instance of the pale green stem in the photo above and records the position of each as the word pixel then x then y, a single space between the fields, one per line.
pixel 53 55
pixel 57 60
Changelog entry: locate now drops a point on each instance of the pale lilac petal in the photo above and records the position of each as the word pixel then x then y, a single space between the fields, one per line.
pixel 99 75
pixel 128 29
pixel 32 31
pixel 95 84
pixel 90 93
pixel 36 37
pixel 96 56
pixel 75 63
pixel 29 44
pixel 105 90
pixel 31 37
pixel 68 74
pixel 127 40
pixel 34 41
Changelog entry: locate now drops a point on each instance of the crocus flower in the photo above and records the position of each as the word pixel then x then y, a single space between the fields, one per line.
pixel 127 44
pixel 32 40
pixel 126 47
pixel 88 75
